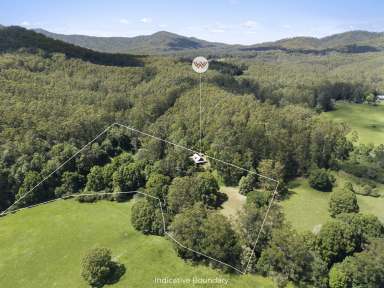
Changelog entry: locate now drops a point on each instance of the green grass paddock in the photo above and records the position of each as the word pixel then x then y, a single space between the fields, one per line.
pixel 307 208
pixel 366 120
pixel 43 247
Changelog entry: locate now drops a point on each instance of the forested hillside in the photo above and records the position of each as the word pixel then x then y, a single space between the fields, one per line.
pixel 169 43
pixel 262 114
pixel 157 43
pixel 69 101
pixel 14 37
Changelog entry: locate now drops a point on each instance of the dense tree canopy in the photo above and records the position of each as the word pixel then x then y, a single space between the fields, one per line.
pixel 321 179
pixel 365 269
pixel 147 218
pixel 216 238
pixel 185 191
pixel 287 255
pixel 336 240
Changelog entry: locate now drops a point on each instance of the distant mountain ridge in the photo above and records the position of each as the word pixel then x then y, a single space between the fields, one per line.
pixel 164 42
pixel 14 38
pixel 157 43
pixel 167 43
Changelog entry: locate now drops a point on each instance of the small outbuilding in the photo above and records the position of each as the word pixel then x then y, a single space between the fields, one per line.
pixel 380 97
pixel 198 158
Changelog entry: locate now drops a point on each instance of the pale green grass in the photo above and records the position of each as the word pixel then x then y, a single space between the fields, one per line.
pixel 43 247
pixel 307 208
pixel 366 120
pixel 235 203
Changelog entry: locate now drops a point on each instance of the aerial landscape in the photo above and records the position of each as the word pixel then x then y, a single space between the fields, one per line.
pixel 228 144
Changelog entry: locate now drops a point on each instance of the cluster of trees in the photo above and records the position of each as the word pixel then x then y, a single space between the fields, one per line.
pixel 185 207
pixel 206 232
pixel 343 201
pixel 52 105
pixel 332 258
pixel 364 269
pixel 35 178
pixel 321 179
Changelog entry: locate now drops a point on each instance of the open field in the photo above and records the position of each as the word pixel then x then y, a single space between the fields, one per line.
pixel 43 247
pixel 307 208
pixel 234 204
pixel 366 120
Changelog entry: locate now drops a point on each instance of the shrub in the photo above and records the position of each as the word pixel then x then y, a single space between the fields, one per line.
pixel 146 218
pixel 335 241
pixel 99 269
pixel 248 183
pixel 259 198
pixel 321 180
pixel 96 180
pixel 91 197
pixel 343 201
pixel 367 190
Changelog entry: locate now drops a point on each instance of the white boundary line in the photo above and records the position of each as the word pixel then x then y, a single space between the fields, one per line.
pixel 5 212
pixel 201 129
pixel 58 168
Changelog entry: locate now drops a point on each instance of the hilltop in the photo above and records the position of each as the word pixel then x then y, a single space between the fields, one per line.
pixel 13 38
pixel 165 42
pixel 157 43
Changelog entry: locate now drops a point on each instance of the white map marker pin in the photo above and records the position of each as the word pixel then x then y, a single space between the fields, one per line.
pixel 200 64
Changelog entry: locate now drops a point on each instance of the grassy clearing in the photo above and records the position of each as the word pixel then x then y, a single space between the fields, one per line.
pixel 43 247
pixel 234 204
pixel 307 208
pixel 366 120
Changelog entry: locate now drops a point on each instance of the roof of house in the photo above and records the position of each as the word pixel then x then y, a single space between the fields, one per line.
pixel 198 158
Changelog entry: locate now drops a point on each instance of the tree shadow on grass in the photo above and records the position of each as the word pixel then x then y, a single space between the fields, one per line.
pixel 287 195
pixel 118 270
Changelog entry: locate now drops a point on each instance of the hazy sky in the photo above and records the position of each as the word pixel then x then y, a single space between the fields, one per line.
pixel 230 21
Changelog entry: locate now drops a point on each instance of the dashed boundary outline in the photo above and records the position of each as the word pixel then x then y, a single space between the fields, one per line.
pixel 274 194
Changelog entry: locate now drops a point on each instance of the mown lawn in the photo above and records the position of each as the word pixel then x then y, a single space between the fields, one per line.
pixel 366 120
pixel 307 208
pixel 234 205
pixel 43 247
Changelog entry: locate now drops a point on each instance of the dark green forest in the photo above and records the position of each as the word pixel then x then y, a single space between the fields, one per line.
pixel 260 112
